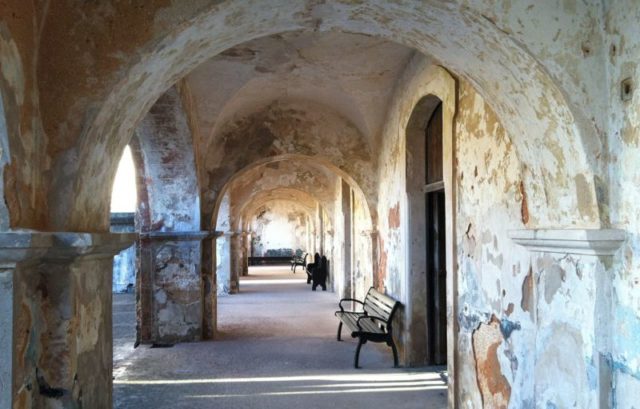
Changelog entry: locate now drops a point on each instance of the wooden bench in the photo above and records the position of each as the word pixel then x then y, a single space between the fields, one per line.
pixel 299 261
pixel 373 323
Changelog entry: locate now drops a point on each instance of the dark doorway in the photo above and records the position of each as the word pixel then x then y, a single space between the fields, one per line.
pixel 436 242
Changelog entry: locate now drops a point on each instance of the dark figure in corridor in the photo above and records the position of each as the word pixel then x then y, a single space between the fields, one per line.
pixel 317 272
pixel 319 275
pixel 312 266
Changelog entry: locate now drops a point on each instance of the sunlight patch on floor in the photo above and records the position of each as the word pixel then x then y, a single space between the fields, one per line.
pixel 381 377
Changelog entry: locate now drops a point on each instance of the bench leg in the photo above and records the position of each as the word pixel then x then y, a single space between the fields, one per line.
pixel 360 342
pixel 395 353
pixel 339 331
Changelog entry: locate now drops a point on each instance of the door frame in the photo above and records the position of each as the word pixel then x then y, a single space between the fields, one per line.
pixel 434 85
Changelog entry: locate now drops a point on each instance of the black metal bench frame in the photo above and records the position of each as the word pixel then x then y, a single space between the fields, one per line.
pixel 299 261
pixel 373 323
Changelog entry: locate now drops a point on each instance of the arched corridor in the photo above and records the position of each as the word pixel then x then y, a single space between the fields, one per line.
pixel 473 164
pixel 276 348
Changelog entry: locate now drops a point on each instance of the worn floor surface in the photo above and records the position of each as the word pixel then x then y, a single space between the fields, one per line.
pixel 277 349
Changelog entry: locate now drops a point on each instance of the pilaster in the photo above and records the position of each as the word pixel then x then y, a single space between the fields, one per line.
pixel 170 287
pixel 55 295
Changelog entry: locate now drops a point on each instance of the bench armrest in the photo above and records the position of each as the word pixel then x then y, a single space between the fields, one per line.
pixel 371 317
pixel 349 299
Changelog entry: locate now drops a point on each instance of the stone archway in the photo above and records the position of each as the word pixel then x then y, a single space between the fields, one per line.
pixel 480 53
pixel 262 180
pixel 168 283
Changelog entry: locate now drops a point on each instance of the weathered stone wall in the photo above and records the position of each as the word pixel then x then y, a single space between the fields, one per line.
pixel 503 59
pixel 170 289
pixel 61 295
pixel 510 326
pixel 491 268
pixel 167 155
pixel 297 129
pixel 279 225
pixel 23 158
pixel 6 336
pixel 545 114
pixel 363 257
pixel 622 50
pixel 169 283
pixel 225 283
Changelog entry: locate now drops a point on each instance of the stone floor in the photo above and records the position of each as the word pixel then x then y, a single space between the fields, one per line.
pixel 276 349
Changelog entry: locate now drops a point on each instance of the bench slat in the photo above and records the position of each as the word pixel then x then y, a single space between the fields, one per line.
pixel 379 304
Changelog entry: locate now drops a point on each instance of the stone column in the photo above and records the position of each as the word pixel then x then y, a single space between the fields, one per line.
pixel 223 263
pixel 209 287
pixel 236 261
pixel 57 333
pixel 170 286
pixel 246 242
pixel 374 236
pixel 6 333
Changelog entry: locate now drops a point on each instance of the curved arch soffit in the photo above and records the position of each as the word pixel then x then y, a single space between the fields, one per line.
pixel 317 161
pixel 301 198
pixel 522 94
pixel 250 212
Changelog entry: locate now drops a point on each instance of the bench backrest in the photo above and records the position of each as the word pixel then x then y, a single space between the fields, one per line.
pixel 380 305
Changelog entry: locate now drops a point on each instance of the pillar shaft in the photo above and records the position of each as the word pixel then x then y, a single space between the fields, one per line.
pixel 6 334
pixel 170 287
pixel 57 290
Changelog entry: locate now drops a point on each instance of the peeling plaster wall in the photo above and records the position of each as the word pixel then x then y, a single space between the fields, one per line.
pixel 491 267
pixel 303 174
pixel 278 225
pixel 500 285
pixel 307 183
pixel 6 337
pixel 552 74
pixel 4 158
pixel 288 128
pixel 332 68
pixel 225 284
pixel 168 159
pixel 63 335
pixel 362 248
pixel 23 160
pixel 170 308
pixel 169 283
pixel 502 60
pixel 623 317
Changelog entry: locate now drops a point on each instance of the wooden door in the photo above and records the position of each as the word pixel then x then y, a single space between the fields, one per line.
pixel 436 242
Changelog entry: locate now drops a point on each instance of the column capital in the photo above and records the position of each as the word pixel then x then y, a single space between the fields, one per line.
pixel 590 242
pixel 197 235
pixel 20 246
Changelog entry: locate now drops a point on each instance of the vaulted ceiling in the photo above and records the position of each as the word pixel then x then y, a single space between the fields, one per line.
pixel 352 74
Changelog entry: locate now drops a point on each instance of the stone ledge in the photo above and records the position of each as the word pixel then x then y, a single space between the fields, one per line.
pixel 229 234
pixel 26 245
pixel 176 235
pixel 590 242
